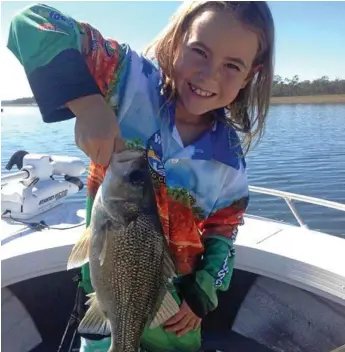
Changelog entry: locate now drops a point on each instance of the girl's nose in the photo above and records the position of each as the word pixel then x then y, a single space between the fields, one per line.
pixel 207 72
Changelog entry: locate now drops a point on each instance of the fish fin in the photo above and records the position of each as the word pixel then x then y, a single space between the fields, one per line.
pixel 94 321
pixel 168 306
pixel 106 228
pixel 167 310
pixel 169 269
pixel 103 252
pixel 80 252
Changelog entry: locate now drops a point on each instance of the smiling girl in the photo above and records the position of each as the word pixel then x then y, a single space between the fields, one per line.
pixel 206 76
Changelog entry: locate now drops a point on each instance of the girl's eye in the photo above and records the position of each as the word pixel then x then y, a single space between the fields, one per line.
pixel 232 66
pixel 200 52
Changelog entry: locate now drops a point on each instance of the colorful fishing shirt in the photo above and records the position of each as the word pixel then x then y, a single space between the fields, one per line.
pixel 201 189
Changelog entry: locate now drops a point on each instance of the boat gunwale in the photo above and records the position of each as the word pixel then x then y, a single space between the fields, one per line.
pixel 288 197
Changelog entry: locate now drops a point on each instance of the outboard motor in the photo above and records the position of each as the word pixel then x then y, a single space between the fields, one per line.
pixel 33 190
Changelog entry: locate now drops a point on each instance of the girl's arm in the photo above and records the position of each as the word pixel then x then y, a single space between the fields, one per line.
pixel 70 68
pixel 199 289
pixel 63 59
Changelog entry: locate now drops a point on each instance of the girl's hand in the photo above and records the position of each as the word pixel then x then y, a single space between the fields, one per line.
pixel 98 138
pixel 183 321
pixel 96 129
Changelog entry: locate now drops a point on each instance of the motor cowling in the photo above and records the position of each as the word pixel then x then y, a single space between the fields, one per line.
pixel 21 202
pixel 39 191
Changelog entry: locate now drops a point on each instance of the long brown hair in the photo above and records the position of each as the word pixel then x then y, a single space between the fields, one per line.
pixel 248 111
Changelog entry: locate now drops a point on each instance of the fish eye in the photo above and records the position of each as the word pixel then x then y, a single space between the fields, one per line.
pixel 137 177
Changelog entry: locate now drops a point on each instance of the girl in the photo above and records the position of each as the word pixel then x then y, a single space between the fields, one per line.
pixel 207 75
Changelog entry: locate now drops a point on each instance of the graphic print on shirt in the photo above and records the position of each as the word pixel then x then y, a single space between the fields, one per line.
pixel 176 211
pixel 187 210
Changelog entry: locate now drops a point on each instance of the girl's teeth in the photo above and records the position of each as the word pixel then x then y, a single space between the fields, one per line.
pixel 200 92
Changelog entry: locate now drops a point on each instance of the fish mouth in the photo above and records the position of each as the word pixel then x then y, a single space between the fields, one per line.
pixel 127 155
pixel 111 198
pixel 108 199
pixel 108 203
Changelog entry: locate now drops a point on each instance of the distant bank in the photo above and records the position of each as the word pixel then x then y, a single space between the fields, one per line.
pixel 310 99
pixel 307 99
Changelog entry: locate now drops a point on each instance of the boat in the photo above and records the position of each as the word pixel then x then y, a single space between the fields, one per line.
pixel 287 292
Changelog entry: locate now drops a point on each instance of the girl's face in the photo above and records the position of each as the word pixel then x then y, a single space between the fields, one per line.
pixel 213 62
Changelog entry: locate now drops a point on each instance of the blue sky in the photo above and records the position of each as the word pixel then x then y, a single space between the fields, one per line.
pixel 310 36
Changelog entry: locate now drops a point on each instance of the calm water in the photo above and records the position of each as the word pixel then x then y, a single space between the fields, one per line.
pixel 303 151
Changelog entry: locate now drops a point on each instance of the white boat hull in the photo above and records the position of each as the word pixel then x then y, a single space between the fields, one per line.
pixel 295 303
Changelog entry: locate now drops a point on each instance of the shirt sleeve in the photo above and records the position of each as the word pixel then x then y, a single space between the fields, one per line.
pixel 214 271
pixel 63 59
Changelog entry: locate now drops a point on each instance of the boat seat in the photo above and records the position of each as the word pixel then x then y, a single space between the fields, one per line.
pixel 231 342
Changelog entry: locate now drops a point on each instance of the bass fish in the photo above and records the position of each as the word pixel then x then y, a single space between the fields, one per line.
pixel 130 263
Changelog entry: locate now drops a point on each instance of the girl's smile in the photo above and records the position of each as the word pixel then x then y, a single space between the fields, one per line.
pixel 200 92
pixel 213 61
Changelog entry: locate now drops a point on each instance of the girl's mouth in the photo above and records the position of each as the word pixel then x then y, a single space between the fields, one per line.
pixel 200 92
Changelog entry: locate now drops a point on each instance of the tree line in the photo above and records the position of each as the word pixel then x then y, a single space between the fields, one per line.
pixel 295 87
pixel 282 87
pixel 20 101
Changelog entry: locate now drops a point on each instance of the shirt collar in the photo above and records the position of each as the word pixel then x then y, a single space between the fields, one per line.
pixel 220 143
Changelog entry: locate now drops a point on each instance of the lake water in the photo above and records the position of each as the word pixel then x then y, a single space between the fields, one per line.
pixel 302 151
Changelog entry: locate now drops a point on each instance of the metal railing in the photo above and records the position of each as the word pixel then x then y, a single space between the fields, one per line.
pixel 289 197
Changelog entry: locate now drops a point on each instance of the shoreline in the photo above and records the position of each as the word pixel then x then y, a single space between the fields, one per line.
pixel 308 99
pixel 16 105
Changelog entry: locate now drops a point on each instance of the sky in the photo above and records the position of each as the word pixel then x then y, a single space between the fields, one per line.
pixel 310 36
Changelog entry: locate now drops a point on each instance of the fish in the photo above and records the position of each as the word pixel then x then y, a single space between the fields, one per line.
pixel 131 268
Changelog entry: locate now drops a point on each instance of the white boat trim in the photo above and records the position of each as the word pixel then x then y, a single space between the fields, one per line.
pixel 28 253
pixel 284 252
pixel 339 349
pixel 308 259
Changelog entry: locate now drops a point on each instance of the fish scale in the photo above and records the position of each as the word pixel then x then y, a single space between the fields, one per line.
pixel 129 318
pixel 130 264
